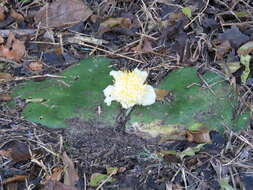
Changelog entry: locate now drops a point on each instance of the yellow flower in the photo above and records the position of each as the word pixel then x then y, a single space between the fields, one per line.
pixel 130 89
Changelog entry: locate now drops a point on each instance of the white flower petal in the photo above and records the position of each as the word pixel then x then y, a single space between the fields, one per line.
pixel 126 105
pixel 142 74
pixel 129 89
pixel 149 96
pixel 109 97
pixel 116 74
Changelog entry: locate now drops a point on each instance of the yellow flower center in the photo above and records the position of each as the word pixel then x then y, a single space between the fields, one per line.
pixel 129 87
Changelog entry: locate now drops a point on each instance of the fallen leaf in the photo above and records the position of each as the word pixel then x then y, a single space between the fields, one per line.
pixel 187 12
pixel 230 67
pixel 145 46
pixel 12 186
pixel 56 185
pixel 5 76
pixel 242 14
pixel 224 184
pixel 174 156
pixel 97 178
pixel 245 49
pixel 5 153
pixel 245 60
pixel 170 186
pixel 5 98
pixel 70 174
pixel 56 176
pixel 16 150
pixel 108 24
pixel 1 40
pixel 14 49
pixel 190 151
pixel 17 16
pixel 111 170
pixel 157 129
pixel 201 135
pixel 35 66
pixel 2 13
pixel 62 13
pixel 234 36
pixel 16 178
pixel 182 48
pixel 163 95
pixel 222 48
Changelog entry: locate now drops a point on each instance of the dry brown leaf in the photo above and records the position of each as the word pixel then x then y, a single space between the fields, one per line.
pixel 35 66
pixel 222 48
pixel 5 98
pixel 56 176
pixel 56 185
pixel 108 24
pixel 161 94
pixel 1 40
pixel 12 186
pixel 16 150
pixel 234 36
pixel 14 49
pixel 199 136
pixel 2 13
pixel 70 174
pixel 5 153
pixel 17 16
pixel 145 46
pixel 245 49
pixel 17 178
pixel 61 13
pixel 5 76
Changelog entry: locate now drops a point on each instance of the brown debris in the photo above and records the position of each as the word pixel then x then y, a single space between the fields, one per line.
pixel 62 13
pixel 17 178
pixel 108 24
pixel 14 49
pixel 5 76
pixel 16 150
pixel 70 177
pixel 2 13
pixel 35 66
pixel 222 48
pixel 5 98
pixel 199 136
pixel 145 46
pixel 56 185
pixel 17 16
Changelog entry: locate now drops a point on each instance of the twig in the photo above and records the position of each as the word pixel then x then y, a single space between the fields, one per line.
pixel 237 24
pixel 8 61
pixel 107 179
pixel 112 53
pixel 20 32
pixel 30 78
pixel 243 139
pixel 199 14
pixel 207 85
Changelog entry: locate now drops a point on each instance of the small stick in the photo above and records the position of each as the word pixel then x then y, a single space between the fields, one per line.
pixel 20 32
pixel 112 53
pixel 237 24
pixel 207 3
pixel 30 78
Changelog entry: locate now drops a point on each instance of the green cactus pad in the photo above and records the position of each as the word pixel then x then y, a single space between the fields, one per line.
pixel 78 95
pixel 193 102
